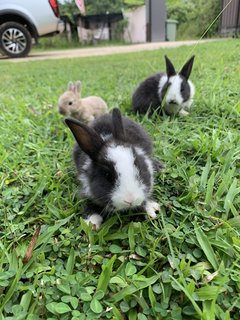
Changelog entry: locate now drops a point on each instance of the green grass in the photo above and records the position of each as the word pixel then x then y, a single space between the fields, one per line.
pixel 60 42
pixel 183 265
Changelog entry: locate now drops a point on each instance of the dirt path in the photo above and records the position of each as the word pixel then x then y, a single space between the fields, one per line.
pixel 100 51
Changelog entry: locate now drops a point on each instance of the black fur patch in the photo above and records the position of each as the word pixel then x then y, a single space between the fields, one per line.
pixel 135 134
pixel 102 179
pixel 146 97
pixel 164 90
pixel 185 89
pixel 144 174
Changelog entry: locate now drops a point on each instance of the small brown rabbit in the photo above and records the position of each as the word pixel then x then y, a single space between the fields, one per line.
pixel 84 109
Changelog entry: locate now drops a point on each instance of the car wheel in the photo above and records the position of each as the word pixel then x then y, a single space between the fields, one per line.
pixel 15 40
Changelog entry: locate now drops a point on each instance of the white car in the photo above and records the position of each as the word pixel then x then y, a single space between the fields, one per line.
pixel 24 20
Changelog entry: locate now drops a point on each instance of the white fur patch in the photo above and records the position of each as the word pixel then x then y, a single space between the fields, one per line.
pixel 86 164
pixel 174 94
pixel 85 190
pixel 139 151
pixel 129 191
pixel 151 208
pixel 192 88
pixel 188 103
pixel 161 84
pixel 174 90
pixel 183 113
pixel 95 219
pixel 106 137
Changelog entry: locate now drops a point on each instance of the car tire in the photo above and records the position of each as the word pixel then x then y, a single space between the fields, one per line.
pixel 15 40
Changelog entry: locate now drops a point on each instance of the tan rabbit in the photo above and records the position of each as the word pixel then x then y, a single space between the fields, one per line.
pixel 84 109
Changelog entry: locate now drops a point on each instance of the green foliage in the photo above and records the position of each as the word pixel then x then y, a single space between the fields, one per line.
pixel 194 16
pixel 179 10
pixel 68 8
pixel 103 6
pixel 98 6
pixel 133 3
pixel 184 264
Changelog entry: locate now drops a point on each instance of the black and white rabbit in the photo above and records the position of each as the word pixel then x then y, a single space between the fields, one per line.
pixel 113 156
pixel 174 90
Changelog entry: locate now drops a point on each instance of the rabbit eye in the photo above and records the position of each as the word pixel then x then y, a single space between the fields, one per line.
pixel 165 89
pixel 107 175
pixel 108 172
pixel 70 103
pixel 182 88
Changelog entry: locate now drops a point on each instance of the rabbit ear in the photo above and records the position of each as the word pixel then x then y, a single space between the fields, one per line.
pixel 70 86
pixel 169 68
pixel 77 87
pixel 187 68
pixel 118 129
pixel 87 138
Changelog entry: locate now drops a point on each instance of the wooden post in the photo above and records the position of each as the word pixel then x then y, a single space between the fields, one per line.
pixel 69 32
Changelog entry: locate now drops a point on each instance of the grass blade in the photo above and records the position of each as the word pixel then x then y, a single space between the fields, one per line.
pixel 209 191
pixel 205 173
pixel 128 291
pixel 26 300
pixel 232 193
pixel 131 237
pixel 151 297
pixel 206 246
pixel 227 178
pixel 208 292
pixel 39 188
pixel 12 288
pixel 117 314
pixel 70 262
pixel 196 307
pixel 105 275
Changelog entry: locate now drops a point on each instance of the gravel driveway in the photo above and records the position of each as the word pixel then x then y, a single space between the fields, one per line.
pixel 100 51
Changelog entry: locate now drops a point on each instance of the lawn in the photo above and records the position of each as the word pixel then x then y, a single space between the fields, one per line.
pixel 183 265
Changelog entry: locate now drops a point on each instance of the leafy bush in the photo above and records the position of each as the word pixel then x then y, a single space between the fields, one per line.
pixel 194 16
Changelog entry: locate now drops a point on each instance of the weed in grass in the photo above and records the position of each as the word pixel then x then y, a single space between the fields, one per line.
pixel 183 265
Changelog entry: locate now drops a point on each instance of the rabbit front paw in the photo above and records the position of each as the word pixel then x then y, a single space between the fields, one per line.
pixel 95 219
pixel 183 113
pixel 152 208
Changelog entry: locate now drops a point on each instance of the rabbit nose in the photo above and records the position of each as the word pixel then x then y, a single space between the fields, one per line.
pixel 129 200
pixel 62 111
pixel 133 201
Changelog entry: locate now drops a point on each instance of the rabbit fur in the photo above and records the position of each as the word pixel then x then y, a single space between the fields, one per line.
pixel 85 109
pixel 171 91
pixel 113 157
